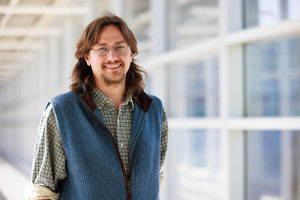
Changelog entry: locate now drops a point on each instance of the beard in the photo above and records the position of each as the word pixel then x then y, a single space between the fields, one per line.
pixel 115 79
pixel 114 76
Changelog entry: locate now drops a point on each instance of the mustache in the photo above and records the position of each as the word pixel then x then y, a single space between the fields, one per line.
pixel 113 63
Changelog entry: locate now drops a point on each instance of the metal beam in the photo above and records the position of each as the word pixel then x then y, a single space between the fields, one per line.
pixel 190 30
pixel 4 79
pixel 7 73
pixel 9 70
pixel 21 46
pixel 249 123
pixel 44 10
pixel 277 31
pixel 196 51
pixel 205 10
pixel 141 20
pixel 40 31
pixel 16 56
pixel 6 17
pixel 6 68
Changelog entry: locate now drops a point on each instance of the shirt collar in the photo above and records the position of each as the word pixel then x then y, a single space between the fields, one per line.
pixel 101 100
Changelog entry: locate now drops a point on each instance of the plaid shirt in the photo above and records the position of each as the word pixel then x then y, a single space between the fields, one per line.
pixel 49 157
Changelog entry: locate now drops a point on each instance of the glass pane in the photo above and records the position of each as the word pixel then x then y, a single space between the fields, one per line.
pixel 139 16
pixel 295 159
pixel 273 78
pixel 272 165
pixel 196 89
pixel 192 21
pixel 265 12
pixel 195 164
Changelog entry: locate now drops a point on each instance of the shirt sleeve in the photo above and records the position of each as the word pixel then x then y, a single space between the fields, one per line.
pixel 49 161
pixel 164 140
pixel 38 192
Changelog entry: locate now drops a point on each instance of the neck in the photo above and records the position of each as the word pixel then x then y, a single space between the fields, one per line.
pixel 115 92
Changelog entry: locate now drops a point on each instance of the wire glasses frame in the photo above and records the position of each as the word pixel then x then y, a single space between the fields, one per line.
pixel 118 49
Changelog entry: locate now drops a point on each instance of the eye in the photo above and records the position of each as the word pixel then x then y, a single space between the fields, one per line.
pixel 120 49
pixel 102 49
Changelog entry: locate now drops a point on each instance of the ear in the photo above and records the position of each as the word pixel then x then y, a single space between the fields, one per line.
pixel 132 56
pixel 87 60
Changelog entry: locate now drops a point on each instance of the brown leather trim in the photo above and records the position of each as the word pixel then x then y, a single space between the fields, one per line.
pixel 142 100
pixel 87 98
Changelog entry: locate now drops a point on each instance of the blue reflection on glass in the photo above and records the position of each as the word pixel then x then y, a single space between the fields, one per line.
pixel 264 164
pixel 272 78
pixel 202 89
pixel 266 12
pixel 195 157
pixel 270 98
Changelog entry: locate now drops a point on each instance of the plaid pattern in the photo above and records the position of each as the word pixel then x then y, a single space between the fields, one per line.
pixel 117 122
pixel 49 157
pixel 164 140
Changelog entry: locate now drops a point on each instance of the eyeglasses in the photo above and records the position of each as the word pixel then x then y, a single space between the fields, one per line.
pixel 118 49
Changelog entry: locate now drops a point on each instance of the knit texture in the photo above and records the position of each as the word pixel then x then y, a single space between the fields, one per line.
pixel 93 168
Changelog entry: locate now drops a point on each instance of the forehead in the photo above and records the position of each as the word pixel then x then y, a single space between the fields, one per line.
pixel 110 34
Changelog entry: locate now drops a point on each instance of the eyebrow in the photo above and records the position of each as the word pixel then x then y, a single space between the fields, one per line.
pixel 104 44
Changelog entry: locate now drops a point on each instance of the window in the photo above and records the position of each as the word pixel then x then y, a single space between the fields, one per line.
pixel 192 21
pixel 273 88
pixel 139 14
pixel 273 162
pixel 265 12
pixel 195 164
pixel 196 89
pixel 273 78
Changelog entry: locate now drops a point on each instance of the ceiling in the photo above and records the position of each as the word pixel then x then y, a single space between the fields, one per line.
pixel 25 25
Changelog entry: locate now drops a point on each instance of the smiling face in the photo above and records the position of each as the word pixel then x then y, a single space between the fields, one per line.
pixel 111 68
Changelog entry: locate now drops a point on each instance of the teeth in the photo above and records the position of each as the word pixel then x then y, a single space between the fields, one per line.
pixel 112 66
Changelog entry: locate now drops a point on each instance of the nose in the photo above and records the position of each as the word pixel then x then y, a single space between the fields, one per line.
pixel 111 55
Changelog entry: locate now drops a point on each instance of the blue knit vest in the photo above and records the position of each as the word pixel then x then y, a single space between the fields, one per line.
pixel 94 167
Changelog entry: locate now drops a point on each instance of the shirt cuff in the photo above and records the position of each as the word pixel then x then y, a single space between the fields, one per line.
pixel 39 192
pixel 161 178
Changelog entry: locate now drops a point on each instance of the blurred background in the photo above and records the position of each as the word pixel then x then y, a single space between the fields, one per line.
pixel 228 72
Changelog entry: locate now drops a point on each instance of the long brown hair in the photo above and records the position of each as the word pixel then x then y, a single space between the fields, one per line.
pixel 82 75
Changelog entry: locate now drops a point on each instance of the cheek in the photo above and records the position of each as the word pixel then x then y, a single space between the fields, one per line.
pixel 95 62
pixel 129 60
pixel 96 67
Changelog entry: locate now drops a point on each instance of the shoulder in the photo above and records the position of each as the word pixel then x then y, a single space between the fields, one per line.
pixel 48 117
pixel 156 103
pixel 154 98
pixel 66 97
pixel 145 101
pixel 64 101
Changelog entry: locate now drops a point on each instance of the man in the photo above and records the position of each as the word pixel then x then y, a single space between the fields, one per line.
pixel 106 139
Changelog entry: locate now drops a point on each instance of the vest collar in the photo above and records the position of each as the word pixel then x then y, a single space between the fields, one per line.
pixel 141 99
